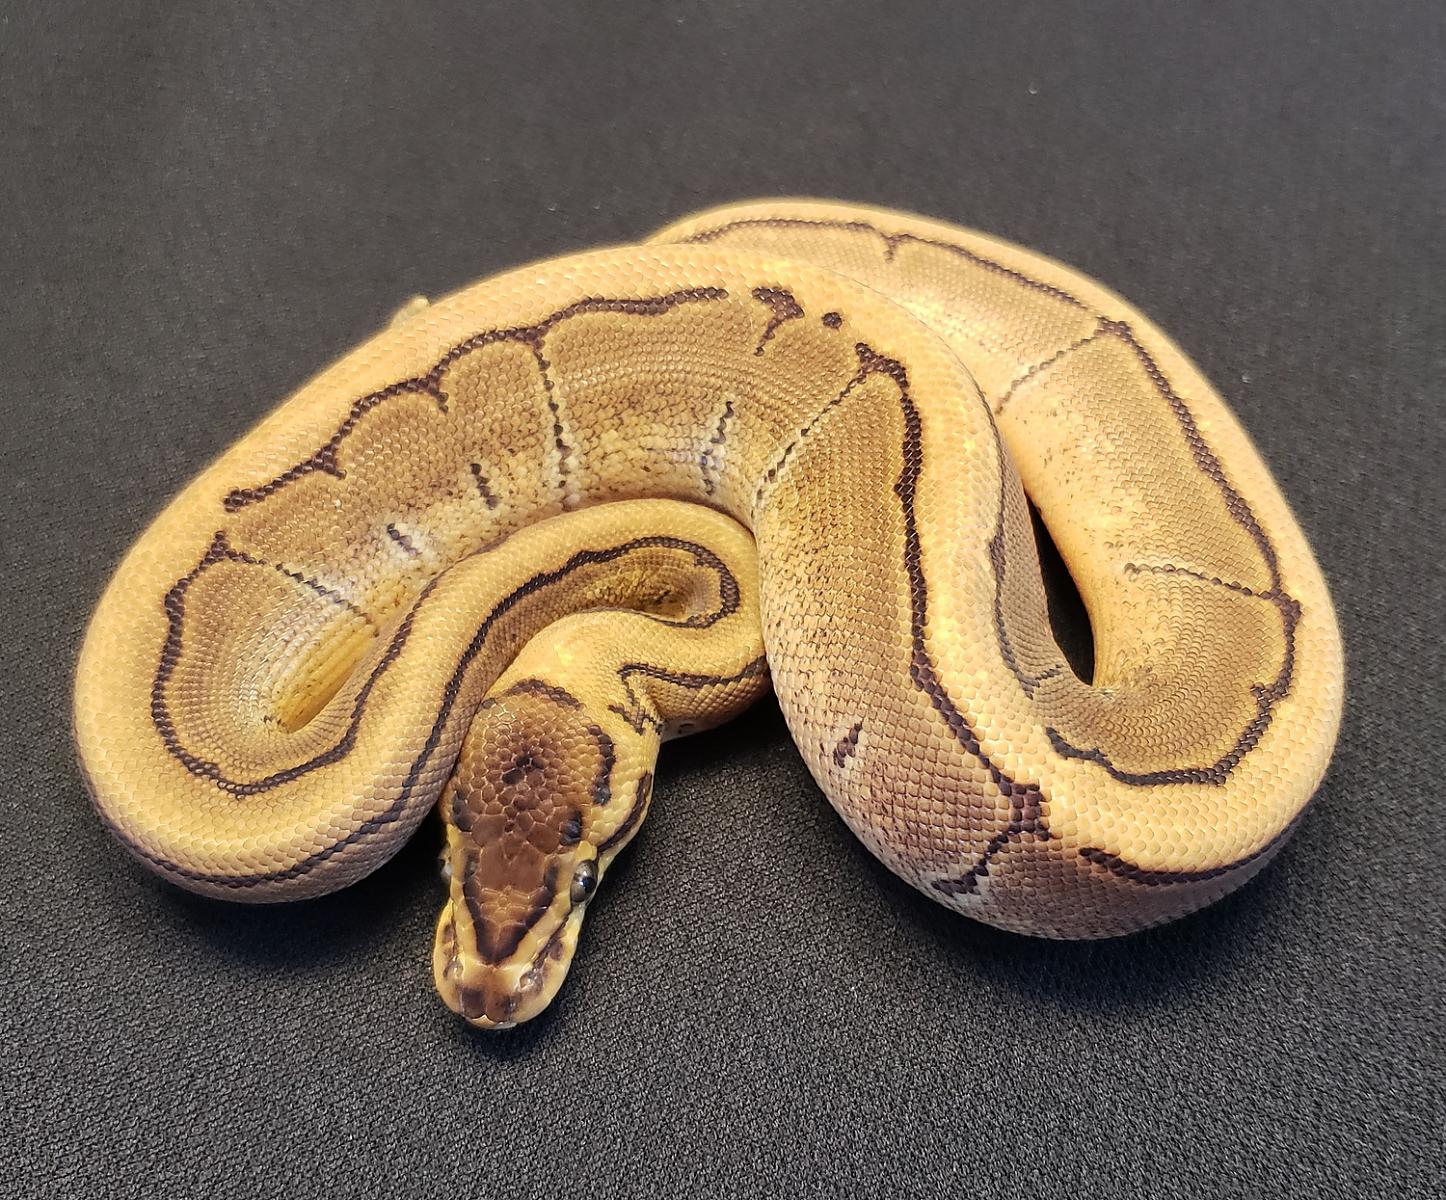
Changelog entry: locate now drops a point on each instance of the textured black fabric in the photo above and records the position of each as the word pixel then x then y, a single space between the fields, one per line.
pixel 202 204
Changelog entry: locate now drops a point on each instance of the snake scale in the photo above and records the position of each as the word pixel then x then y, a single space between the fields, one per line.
pixel 493 557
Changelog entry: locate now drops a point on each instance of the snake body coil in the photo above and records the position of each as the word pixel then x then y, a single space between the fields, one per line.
pixel 497 553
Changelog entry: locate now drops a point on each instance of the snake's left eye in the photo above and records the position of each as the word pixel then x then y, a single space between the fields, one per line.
pixel 584 881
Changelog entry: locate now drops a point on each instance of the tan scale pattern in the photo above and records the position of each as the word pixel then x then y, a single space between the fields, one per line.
pixel 499 552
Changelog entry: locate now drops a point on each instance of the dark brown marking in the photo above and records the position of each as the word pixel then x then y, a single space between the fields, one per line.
pixel 832 319
pixel 602 783
pixel 637 716
pixel 447 938
pixel 476 1002
pixel 1124 869
pixel 708 460
pixel 1046 363
pixel 430 384
pixel 641 795
pixel 559 441
pixel 402 540
pixel 967 883
pixel 493 1001
pixel 221 551
pixel 324 459
pixel 847 745
pixel 892 242
pixel 1027 803
pixel 325 593
pixel 498 941
pixel 783 307
pixel 518 771
pixel 1229 585
pixel 1026 800
pixel 870 363
pixel 1266 695
pixel 549 691
pixel 1204 457
pixel 483 488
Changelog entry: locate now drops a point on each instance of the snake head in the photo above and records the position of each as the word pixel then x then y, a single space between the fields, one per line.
pixel 508 932
pixel 532 824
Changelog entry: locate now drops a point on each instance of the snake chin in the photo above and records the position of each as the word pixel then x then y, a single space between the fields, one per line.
pixel 501 995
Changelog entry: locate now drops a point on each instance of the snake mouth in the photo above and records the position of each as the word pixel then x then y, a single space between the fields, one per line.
pixel 501 995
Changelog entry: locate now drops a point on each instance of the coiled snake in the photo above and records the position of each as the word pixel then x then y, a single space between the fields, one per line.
pixel 496 554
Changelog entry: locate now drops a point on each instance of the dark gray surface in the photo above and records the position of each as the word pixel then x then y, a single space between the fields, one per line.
pixel 203 207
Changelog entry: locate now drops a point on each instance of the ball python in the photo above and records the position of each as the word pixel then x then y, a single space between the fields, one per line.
pixel 489 560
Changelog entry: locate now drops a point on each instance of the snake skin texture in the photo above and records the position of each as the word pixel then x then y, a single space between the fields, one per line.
pixel 494 556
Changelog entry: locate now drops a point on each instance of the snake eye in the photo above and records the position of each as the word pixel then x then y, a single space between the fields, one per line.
pixel 584 881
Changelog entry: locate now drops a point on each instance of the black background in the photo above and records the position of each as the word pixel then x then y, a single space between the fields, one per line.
pixel 203 204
